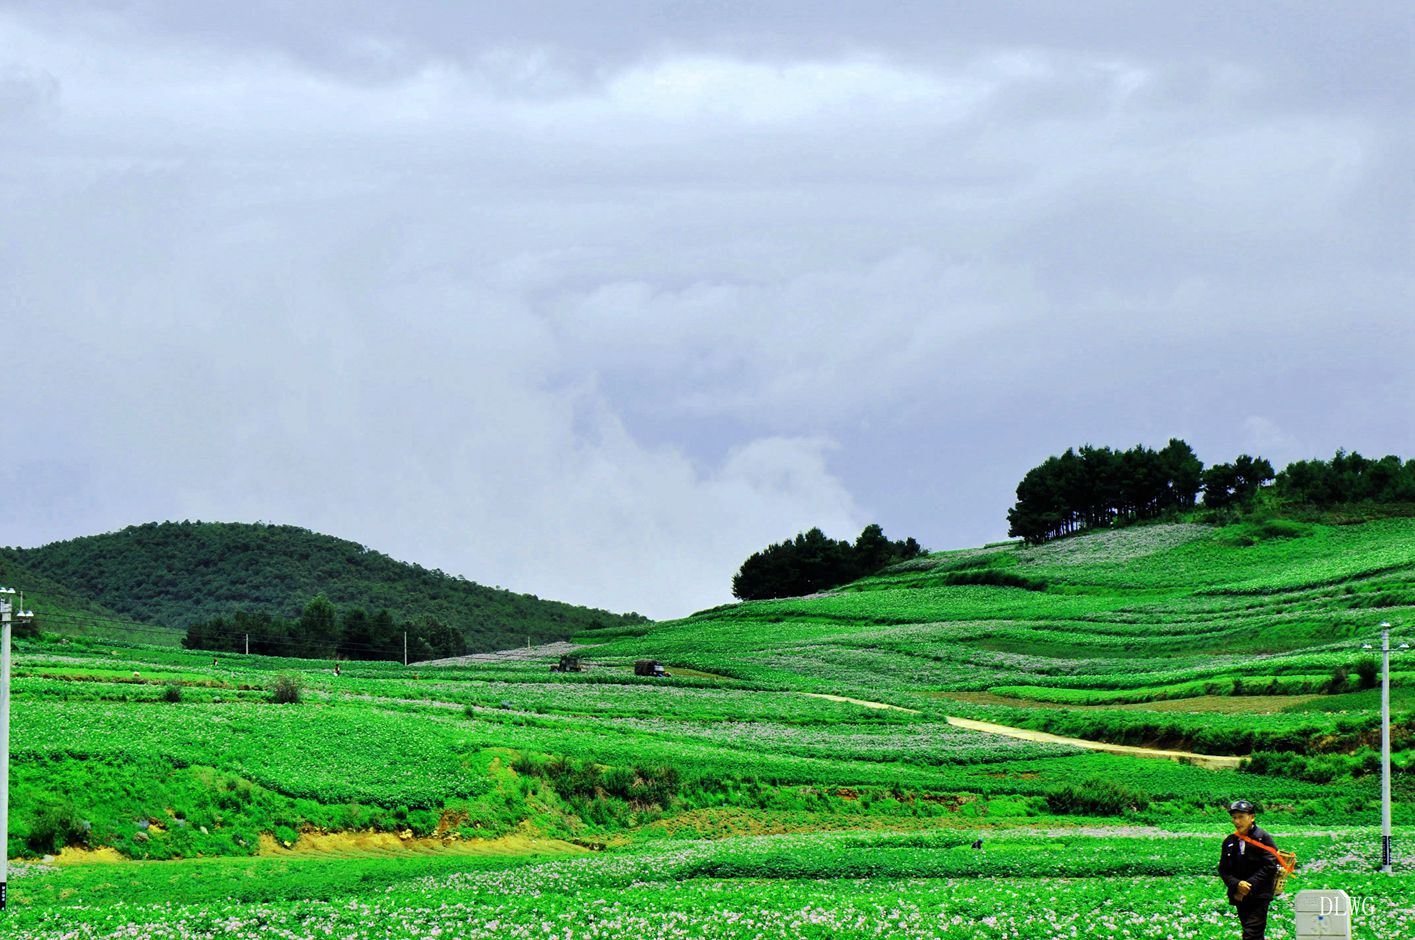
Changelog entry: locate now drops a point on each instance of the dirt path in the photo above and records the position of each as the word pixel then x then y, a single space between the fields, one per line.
pixel 860 701
pixel 1213 762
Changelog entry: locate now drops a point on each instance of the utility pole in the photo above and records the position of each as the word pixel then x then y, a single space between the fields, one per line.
pixel 405 647
pixel 5 595
pixel 1385 742
pixel 248 644
pixel 1385 747
pixel 6 610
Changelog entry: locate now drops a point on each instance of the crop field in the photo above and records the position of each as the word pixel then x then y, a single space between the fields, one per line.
pixel 1131 883
pixel 159 792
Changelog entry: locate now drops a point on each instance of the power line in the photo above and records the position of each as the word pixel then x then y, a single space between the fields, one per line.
pixel 231 635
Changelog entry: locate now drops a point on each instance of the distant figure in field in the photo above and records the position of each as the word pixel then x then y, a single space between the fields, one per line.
pixel 978 844
pixel 1248 866
pixel 336 669
pixel 213 662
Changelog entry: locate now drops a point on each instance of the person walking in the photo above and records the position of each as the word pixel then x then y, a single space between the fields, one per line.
pixel 1248 866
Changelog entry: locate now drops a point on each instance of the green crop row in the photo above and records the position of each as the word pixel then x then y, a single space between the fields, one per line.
pixel 841 886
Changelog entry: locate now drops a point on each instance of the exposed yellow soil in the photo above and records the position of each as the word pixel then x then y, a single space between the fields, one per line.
pixel 74 855
pixel 1213 762
pixel 860 701
pixel 387 843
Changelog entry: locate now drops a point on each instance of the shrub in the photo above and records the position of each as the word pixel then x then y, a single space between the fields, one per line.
pixel 994 578
pixel 55 824
pixel 1339 677
pixel 286 690
pixel 172 693
pixel 1368 671
pixel 1096 796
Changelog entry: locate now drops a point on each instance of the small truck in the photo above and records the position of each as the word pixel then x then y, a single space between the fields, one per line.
pixel 568 664
pixel 649 667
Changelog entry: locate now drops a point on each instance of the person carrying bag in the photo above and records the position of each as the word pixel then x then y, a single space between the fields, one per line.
pixel 1253 869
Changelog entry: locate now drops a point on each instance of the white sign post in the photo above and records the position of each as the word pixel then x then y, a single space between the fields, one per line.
pixel 1324 914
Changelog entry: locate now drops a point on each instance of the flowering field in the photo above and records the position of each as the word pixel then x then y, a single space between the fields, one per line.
pixel 1138 884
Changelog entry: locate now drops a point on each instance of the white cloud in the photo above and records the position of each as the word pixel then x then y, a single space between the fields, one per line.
pixel 595 312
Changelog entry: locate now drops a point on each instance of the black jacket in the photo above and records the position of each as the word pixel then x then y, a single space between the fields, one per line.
pixel 1239 861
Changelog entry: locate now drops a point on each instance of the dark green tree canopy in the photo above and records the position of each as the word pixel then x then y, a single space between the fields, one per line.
pixel 1235 484
pixel 813 562
pixel 1347 478
pixel 324 632
pixel 1097 487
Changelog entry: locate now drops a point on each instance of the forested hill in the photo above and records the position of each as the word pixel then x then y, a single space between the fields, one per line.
pixel 178 573
pixel 47 596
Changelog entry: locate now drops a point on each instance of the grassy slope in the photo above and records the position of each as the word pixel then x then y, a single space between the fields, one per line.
pixel 176 573
pixel 1145 609
pixel 473 752
pixel 1117 618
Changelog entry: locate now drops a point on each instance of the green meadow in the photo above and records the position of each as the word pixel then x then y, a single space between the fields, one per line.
pixel 158 794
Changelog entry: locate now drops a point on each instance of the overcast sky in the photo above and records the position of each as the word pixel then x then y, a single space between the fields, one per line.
pixel 592 300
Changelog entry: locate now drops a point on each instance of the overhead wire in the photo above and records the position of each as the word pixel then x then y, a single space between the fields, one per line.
pixel 75 620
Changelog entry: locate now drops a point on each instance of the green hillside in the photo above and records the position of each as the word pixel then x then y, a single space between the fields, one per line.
pixel 808 761
pixel 1172 634
pixel 176 573
pixel 51 601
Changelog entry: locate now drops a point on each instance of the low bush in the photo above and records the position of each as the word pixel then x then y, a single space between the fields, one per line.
pixel 1258 530
pixel 55 824
pixel 1096 796
pixel 1368 672
pixel 1318 768
pixel 287 689
pixel 995 578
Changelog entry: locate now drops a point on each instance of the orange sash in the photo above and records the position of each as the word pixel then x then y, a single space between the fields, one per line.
pixel 1286 866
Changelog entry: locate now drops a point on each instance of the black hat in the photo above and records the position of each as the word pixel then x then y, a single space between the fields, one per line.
pixel 1242 806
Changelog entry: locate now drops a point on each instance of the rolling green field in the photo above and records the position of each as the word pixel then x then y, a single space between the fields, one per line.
pixel 730 800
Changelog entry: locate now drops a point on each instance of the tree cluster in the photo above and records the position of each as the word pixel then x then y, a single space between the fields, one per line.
pixel 813 562
pixel 1347 478
pixel 1097 487
pixel 1235 484
pixel 322 631
pixel 181 573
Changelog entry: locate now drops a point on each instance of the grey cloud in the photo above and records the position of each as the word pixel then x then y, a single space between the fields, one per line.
pixel 26 95
pixel 594 306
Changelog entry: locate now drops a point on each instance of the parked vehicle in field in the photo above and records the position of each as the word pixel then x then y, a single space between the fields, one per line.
pixel 568 664
pixel 649 667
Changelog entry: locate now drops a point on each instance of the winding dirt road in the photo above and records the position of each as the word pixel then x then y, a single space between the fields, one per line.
pixel 860 701
pixel 1211 761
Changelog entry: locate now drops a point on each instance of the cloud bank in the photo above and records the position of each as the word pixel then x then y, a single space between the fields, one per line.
pixel 593 309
